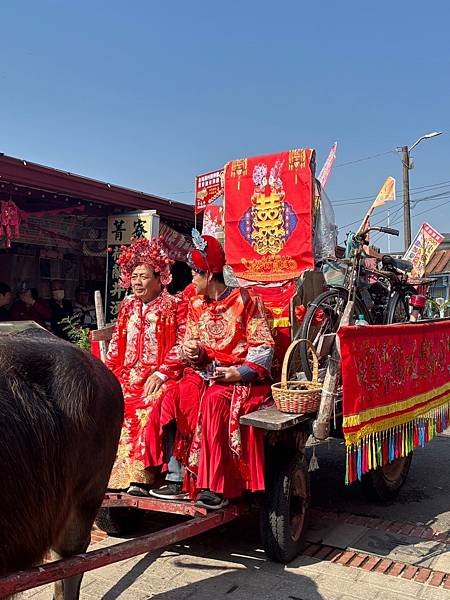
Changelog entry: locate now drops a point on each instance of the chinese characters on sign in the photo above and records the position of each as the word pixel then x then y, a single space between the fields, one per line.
pixel 121 230
pixel 208 187
pixel 268 215
pixel 178 247
pixel 422 249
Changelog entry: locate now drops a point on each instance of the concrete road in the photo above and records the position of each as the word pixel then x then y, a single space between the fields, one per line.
pixel 229 562
pixel 424 498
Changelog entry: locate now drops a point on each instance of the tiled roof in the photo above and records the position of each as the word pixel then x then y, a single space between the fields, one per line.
pixel 440 263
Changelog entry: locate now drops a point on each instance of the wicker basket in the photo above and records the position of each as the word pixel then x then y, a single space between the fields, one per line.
pixel 297 396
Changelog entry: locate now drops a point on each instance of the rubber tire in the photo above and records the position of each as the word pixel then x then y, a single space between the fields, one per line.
pixel 119 521
pixel 396 298
pixel 380 489
pixel 303 332
pixel 275 513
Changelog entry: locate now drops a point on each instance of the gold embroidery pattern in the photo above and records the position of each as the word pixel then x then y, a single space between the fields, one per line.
pixel 238 169
pixel 269 264
pixel 297 160
pixel 269 234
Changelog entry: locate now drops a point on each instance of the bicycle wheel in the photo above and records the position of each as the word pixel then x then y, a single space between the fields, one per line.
pixel 323 316
pixel 398 308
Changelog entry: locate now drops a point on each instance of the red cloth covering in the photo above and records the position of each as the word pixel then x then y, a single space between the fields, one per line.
pixel 224 456
pixel 277 302
pixel 146 339
pixel 268 215
pixel 396 390
pixel 95 349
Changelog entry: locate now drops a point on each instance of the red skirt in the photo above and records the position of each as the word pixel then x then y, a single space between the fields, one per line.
pixel 219 454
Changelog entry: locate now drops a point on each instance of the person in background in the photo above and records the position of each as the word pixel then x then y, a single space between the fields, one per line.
pixel 83 309
pixel 60 307
pixel 5 301
pixel 29 307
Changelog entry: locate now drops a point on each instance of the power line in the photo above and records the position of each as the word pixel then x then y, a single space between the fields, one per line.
pixel 427 210
pixel 397 210
pixel 415 190
pixel 358 160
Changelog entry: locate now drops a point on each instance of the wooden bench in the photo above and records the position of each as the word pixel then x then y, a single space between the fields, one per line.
pixel 271 419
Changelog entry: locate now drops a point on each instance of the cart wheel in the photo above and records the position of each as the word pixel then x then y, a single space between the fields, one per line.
pixel 284 513
pixel 119 521
pixel 384 483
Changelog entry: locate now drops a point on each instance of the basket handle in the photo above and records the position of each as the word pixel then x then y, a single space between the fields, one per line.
pixel 315 374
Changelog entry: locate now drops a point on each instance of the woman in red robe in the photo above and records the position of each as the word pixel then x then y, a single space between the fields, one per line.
pixel 144 355
pixel 228 347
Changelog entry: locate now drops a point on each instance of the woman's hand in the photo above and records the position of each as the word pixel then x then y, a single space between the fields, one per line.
pixel 228 374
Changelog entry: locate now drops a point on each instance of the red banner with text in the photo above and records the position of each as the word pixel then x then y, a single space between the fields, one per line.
pixel 268 215
pixel 208 187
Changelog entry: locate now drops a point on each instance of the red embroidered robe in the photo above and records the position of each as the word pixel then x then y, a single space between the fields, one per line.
pixel 146 339
pixel 223 456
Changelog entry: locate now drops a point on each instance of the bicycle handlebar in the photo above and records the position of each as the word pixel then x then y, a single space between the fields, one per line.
pixel 388 230
pixel 361 237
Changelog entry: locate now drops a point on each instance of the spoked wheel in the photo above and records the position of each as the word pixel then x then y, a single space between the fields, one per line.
pixel 384 483
pixel 285 510
pixel 322 317
pixel 398 309
pixel 119 521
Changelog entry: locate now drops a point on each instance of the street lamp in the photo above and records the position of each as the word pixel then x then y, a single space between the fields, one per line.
pixel 406 167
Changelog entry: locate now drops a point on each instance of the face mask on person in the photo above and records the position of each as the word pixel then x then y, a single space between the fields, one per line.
pixel 58 295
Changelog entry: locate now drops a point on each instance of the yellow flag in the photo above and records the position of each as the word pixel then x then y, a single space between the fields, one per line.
pixel 386 193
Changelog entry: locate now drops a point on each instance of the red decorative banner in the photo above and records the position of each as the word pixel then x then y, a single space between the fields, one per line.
pixel 208 187
pixel 268 215
pixel 277 303
pixel 396 390
pixel 178 246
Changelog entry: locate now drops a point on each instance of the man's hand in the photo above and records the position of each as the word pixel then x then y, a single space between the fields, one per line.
pixel 228 374
pixel 191 350
pixel 152 385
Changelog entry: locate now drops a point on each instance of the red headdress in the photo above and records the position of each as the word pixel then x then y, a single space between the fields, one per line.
pixel 208 254
pixel 144 252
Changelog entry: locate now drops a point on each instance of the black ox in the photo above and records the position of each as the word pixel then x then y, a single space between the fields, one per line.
pixel 61 413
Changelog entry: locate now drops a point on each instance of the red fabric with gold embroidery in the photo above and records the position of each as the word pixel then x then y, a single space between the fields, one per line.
pixel 268 215
pixel 277 302
pixel 395 369
pixel 232 331
pixel 396 390
pixel 146 339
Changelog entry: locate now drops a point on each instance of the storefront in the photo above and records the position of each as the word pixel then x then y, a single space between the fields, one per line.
pixel 53 226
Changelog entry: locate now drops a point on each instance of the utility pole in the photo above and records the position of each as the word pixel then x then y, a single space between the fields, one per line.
pixel 406 152
pixel 406 202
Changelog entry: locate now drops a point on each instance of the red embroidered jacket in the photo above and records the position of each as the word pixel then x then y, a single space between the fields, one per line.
pixel 232 331
pixel 147 338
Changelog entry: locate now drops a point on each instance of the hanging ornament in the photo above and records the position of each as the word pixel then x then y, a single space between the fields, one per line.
pixel 10 218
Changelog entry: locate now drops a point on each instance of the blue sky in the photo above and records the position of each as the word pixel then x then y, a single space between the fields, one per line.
pixel 148 94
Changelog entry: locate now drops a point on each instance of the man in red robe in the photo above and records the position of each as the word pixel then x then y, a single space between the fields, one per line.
pixel 228 351
pixel 144 355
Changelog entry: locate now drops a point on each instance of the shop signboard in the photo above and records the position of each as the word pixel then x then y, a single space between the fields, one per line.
pixel 122 229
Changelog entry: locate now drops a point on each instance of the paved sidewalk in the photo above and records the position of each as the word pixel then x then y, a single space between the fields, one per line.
pixel 214 566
